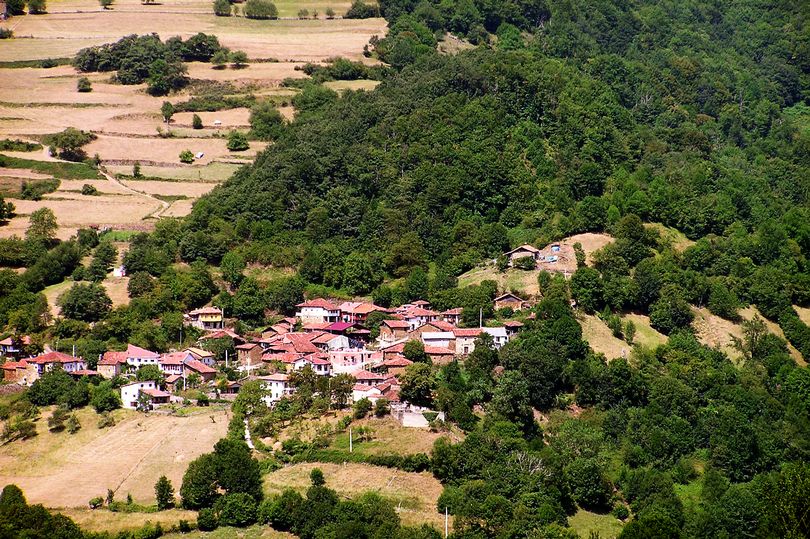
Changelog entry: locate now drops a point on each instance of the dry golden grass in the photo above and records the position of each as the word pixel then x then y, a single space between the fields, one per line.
pixel 590 241
pixel 714 331
pixel 19 174
pixel 101 520
pixel 64 470
pixel 601 339
pixel 389 437
pixel 414 494
pixel 804 314
pixel 341 85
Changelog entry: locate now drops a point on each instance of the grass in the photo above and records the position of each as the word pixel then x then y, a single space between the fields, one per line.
pixel 414 494
pixel 58 169
pixel 17 64
pixel 267 273
pixel 342 85
pixel 120 235
pixel 645 334
pixel 388 438
pixel 689 494
pixel 585 522
pixel 254 532
pixel 213 172
pixel 104 521
pixel 672 236
pixel 512 279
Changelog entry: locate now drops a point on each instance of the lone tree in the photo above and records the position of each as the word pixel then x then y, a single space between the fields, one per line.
pixel 83 85
pixel 167 111
pixel 42 225
pixel 186 156
pixel 196 122
pixel 220 58
pixel 164 493
pixel 239 59
pixel 260 9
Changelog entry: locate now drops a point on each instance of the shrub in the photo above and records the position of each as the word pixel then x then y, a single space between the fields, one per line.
pixel 56 422
pixel 260 9
pixel 330 13
pixel 186 156
pixel 222 8
pixel 525 263
pixel 202 399
pixel 196 122
pixel 361 10
pixel 238 59
pixel 105 4
pixel 89 190
pixel 206 520
pixel 620 511
pixel 164 493
pixel 96 502
pixel 72 424
pixel 362 408
pixel 238 509
pixel 6 33
pixel 37 7
pixel 381 408
pixel 136 170
pixel 266 122
pixel 83 85
pixel 106 420
pixel 237 142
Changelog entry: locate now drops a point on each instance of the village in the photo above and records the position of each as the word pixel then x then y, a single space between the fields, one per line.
pixel 328 338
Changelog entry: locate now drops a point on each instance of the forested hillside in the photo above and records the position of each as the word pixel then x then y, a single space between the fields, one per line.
pixel 561 117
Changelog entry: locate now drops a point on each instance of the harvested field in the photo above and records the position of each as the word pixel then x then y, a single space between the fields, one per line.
pixel 189 189
pixel 264 74
pixel 63 470
pixel 179 208
pixel 101 520
pixel 590 242
pixel 601 339
pixel 415 494
pixel 161 150
pixel 341 85
pixel 62 34
pixel 390 438
pixel 22 174
pixel 74 214
pixel 512 279
pixel 717 332
pixel 213 172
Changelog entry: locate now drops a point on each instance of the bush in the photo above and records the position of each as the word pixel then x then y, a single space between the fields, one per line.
pixel 620 511
pixel 362 408
pixel 381 408
pixel 72 425
pixel 266 122
pixel 83 85
pixel 222 8
pixel 260 9
pixel 196 122
pixel 37 7
pixel 206 520
pixel 238 509
pixel 89 190
pixel 6 33
pixel 105 4
pixel 186 157
pixel 106 420
pixel 361 10
pixel 525 263
pixel 237 142
pixel 238 59
pixel 96 502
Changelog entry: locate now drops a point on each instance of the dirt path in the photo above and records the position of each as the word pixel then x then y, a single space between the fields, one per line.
pixel 118 183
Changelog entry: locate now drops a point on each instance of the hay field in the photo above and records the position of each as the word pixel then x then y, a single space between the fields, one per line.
pixel 645 334
pixel 414 494
pixel 601 338
pixel 63 470
pixel 72 25
pixel 714 331
pixel 103 521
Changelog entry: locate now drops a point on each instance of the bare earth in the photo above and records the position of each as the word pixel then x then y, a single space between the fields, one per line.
pixel 63 470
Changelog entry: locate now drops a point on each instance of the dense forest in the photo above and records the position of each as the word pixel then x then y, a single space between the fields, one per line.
pixel 564 117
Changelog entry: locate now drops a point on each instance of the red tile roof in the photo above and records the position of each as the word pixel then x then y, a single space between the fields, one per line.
pixel 513 324
pixel 453 312
pixel 157 393
pixel 418 311
pixel 54 357
pixel 199 366
pixel 319 302
pixel 286 357
pixel 113 358
pixel 366 375
pixel 137 351
pixel 396 324
pixel 437 350
pixel 467 332
pixel 442 325
pixel 302 343
pixel 420 302
pixel 174 358
pixel 397 361
pixel 84 372
pixel 14 365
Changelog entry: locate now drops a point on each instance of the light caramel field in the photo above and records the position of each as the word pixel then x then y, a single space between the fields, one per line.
pixel 72 25
pixel 127 121
pixel 64 470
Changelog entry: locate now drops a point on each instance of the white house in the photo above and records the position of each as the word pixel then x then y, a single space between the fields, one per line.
pixel 445 339
pixel 277 386
pixel 418 316
pixel 130 392
pixel 352 360
pixel 318 310
pixel 499 336
pixel 137 356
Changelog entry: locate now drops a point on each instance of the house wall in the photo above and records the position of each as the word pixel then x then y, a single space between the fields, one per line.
pixel 129 393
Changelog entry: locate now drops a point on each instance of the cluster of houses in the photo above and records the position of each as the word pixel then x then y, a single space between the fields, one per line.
pixel 329 338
